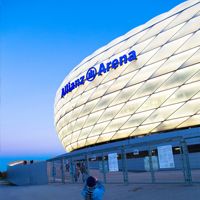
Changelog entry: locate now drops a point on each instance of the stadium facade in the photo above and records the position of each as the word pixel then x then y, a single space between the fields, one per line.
pixel 144 82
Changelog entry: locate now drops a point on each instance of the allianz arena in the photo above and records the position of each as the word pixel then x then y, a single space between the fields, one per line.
pixel 146 81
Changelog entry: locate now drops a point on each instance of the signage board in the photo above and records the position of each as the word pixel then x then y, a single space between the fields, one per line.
pixel 113 162
pixel 165 156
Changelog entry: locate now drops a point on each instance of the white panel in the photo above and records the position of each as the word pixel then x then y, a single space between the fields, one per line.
pixel 191 121
pixel 115 124
pixel 81 143
pixel 105 137
pixel 79 123
pixel 105 101
pixel 119 83
pixel 92 140
pixel 184 93
pixel 145 73
pixel 170 124
pixel 156 29
pixel 184 16
pixel 196 96
pixel 168 49
pixel 85 132
pixel 75 136
pixel 88 107
pixel 98 129
pixel 100 91
pixel 145 129
pixel 162 38
pixel 193 60
pixel 191 26
pixel 84 97
pixel 137 119
pixel 93 118
pixel 110 113
pixel 131 41
pixel 162 113
pixel 179 77
pixel 130 107
pixel 174 62
pixel 189 108
pixel 123 133
pixel 125 94
pixel 155 100
pixel 150 86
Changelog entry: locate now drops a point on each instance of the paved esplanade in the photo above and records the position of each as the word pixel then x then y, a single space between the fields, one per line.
pixel 113 192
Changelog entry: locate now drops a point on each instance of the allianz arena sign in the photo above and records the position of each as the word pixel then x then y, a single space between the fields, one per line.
pixel 93 72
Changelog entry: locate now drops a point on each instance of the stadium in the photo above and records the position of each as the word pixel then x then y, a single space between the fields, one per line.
pixel 144 82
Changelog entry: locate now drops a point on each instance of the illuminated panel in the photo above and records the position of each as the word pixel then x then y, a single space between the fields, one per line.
pixel 158 91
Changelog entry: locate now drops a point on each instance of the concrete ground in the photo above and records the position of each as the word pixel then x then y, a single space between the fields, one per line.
pixel 113 192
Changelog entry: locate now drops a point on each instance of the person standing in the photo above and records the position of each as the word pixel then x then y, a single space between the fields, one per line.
pixel 93 189
pixel 83 171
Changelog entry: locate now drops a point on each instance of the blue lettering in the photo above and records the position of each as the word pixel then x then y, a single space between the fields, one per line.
pixel 132 56
pixel 102 69
pixel 122 60
pixel 92 72
pixel 115 64
pixel 82 80
pixel 63 93
pixel 108 66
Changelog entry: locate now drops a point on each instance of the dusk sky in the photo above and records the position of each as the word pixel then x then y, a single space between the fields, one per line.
pixel 41 41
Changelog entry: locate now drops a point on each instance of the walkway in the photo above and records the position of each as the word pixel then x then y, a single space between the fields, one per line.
pixel 113 192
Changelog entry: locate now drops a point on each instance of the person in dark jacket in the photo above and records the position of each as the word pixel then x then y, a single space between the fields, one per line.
pixel 93 189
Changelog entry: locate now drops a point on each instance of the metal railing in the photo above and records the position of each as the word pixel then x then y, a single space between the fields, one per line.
pixel 135 163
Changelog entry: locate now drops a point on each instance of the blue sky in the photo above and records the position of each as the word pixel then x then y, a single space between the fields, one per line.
pixel 41 41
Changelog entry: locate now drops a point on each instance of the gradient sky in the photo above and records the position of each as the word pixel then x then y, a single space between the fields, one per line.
pixel 41 41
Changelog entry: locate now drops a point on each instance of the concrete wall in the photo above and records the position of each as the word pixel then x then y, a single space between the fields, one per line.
pixel 31 174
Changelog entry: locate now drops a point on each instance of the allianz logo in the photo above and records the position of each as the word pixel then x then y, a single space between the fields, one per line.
pixel 93 72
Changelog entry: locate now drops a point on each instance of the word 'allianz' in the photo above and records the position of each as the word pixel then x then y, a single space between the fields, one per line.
pixel 93 72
